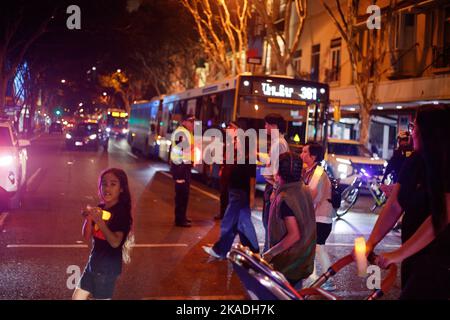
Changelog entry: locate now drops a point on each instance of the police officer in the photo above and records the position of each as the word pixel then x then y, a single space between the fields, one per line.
pixel 181 157
pixel 395 164
pixel 404 151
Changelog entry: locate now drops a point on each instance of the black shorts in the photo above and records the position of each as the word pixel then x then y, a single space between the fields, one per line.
pixel 323 231
pixel 101 286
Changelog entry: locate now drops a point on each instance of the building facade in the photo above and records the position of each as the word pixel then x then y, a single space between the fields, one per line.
pixel 416 67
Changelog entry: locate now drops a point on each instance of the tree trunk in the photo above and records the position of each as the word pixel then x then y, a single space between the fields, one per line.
pixel 3 83
pixel 365 123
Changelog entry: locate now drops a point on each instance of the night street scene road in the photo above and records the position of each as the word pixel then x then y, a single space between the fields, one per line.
pixel 237 152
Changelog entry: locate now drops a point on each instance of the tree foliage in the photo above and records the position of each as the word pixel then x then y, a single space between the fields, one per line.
pixel 283 41
pixel 366 64
pixel 222 27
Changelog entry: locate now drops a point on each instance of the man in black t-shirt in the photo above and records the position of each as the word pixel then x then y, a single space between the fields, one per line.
pixel 237 218
pixel 226 167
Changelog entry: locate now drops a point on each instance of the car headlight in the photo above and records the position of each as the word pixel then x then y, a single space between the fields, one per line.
pixel 93 136
pixel 68 136
pixel 342 168
pixel 108 129
pixel 6 160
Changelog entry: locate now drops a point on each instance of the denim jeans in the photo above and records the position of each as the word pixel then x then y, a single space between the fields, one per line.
pixel 237 220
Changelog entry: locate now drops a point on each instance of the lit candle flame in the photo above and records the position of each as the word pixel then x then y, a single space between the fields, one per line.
pixel 360 254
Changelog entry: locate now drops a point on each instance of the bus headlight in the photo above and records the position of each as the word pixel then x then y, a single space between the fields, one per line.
pixel 93 136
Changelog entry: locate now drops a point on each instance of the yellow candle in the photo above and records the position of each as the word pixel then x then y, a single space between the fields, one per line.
pixel 360 254
pixel 106 215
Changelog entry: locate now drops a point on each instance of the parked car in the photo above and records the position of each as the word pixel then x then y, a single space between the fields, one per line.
pixel 87 136
pixel 346 157
pixel 55 127
pixel 13 165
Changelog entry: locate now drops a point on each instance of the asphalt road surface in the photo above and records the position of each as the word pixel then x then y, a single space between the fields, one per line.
pixel 42 251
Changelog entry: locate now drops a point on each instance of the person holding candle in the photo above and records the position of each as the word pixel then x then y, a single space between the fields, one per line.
pixel 109 227
pixel 423 193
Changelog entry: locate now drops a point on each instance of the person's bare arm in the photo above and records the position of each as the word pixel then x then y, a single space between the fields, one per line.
pixel 419 240
pixel 86 230
pixel 292 236
pixel 114 238
pixel 389 215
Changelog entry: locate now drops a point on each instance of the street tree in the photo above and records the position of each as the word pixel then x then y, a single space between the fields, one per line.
pixel 367 64
pixel 222 27
pixel 19 29
pixel 159 54
pixel 283 41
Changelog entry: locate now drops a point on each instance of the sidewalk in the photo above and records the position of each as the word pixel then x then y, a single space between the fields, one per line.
pixel 35 135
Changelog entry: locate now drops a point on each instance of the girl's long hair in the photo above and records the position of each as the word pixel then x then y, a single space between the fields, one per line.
pixel 434 131
pixel 125 202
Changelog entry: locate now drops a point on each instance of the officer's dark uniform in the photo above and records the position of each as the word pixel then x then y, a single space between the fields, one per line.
pixel 396 162
pixel 181 158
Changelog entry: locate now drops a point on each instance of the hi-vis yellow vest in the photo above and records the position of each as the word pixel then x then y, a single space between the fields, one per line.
pixel 182 151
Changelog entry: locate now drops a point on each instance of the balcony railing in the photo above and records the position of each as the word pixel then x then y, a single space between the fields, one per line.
pixel 441 57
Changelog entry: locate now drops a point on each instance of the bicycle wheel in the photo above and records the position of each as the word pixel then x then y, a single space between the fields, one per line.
pixel 349 196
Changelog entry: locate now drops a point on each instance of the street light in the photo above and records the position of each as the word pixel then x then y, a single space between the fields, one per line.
pixel 119 71
pixel 94 68
pixel 63 81
pixel 80 104
pixel 104 93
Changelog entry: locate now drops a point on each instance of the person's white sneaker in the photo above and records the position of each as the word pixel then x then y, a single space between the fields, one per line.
pixel 329 285
pixel 211 252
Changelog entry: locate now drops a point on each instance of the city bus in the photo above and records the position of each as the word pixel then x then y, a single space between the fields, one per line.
pixel 244 98
pixel 144 127
pixel 116 122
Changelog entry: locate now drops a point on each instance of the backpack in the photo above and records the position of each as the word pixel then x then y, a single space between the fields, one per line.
pixel 335 194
